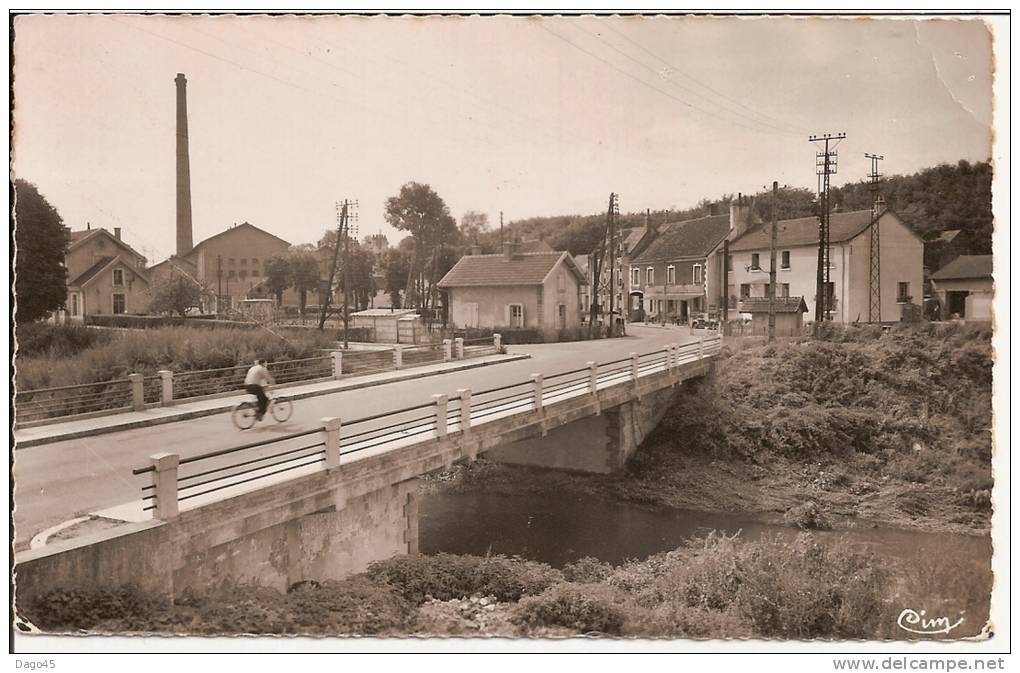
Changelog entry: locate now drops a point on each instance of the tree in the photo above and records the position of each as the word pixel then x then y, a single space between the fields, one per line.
pixel 41 284
pixel 418 210
pixel 304 275
pixel 395 265
pixel 277 270
pixel 176 294
pixel 472 225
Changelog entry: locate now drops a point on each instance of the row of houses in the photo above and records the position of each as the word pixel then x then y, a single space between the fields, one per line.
pixel 703 266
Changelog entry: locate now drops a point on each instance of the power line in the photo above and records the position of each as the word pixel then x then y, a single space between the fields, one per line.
pixel 718 94
pixel 766 125
pixel 641 81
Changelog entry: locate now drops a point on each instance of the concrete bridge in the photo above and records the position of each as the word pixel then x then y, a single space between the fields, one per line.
pixel 325 502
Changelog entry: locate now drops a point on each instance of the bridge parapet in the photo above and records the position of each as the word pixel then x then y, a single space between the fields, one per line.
pixel 324 502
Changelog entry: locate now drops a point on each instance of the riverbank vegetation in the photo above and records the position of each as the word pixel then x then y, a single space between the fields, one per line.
pixel 711 587
pixel 890 427
pixel 58 355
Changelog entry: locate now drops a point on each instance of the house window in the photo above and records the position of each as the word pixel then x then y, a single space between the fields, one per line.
pixel 902 293
pixel 243 273
pixel 230 274
pixel 119 304
pixel 754 261
pixel 649 276
pixel 729 262
pixel 745 290
pixel 635 277
pixel 244 261
pixel 254 260
pixel 561 316
pixel 230 262
pixel 697 274
pixel 516 315
pixel 784 289
pixel 118 277
pixel 561 282
pixel 74 303
pixel 670 275
pixel 786 259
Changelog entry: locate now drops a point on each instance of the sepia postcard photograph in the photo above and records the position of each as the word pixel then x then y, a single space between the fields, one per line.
pixel 525 331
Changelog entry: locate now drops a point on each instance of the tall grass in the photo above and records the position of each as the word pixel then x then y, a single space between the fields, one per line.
pixel 71 354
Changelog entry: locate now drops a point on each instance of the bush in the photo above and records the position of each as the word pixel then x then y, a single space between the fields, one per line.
pixel 807 516
pixel 45 339
pixel 447 576
pixel 581 607
pixel 114 356
pixel 74 609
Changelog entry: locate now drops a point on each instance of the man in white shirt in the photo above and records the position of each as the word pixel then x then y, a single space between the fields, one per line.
pixel 255 382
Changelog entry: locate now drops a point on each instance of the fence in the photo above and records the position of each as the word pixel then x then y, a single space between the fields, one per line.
pixel 136 392
pixel 208 477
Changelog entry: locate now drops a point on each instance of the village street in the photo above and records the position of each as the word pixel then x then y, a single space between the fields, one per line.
pixel 55 482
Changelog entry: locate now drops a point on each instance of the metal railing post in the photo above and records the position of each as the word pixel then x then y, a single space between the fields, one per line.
pixel 338 363
pixel 593 377
pixel 634 366
pixel 167 388
pixel 331 428
pixel 458 344
pixel 447 349
pixel 497 341
pixel 701 348
pixel 398 357
pixel 441 404
pixel 137 391
pixel 465 410
pixel 164 478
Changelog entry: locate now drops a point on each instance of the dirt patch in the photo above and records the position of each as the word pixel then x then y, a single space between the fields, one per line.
pixel 93 524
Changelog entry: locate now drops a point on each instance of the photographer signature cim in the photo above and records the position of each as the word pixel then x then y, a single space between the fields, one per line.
pixel 917 622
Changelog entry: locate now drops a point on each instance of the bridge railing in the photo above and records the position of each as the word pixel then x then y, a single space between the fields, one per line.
pixel 215 475
pixel 167 387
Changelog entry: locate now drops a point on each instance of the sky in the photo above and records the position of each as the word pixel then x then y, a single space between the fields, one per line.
pixel 528 116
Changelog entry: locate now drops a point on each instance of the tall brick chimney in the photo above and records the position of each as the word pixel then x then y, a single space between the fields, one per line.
pixel 184 241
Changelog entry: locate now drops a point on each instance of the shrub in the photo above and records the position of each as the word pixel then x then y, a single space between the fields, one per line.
pixel 587 569
pixel 73 609
pixel 581 607
pixel 807 589
pixel 448 576
pixel 807 516
pixel 45 339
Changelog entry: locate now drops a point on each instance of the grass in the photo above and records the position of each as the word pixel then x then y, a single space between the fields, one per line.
pixel 715 586
pixel 57 355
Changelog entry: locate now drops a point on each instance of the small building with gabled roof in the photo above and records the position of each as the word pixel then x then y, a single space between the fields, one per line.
pixel 965 288
pixel 513 290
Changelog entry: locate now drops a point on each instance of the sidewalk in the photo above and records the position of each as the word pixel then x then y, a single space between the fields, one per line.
pixel 45 434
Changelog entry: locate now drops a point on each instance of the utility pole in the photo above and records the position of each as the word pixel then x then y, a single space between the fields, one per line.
pixel 874 276
pixel 614 209
pixel 501 242
pixel 825 165
pixel 341 220
pixel 219 283
pixel 772 267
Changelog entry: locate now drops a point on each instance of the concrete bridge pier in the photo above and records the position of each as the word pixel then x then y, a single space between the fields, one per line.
pixel 598 444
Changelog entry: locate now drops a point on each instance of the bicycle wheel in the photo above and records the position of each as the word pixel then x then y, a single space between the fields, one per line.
pixel 244 415
pixel 281 409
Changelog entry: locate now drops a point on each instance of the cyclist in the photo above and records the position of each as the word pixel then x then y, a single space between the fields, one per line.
pixel 255 382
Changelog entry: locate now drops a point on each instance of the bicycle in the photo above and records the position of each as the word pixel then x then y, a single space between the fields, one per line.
pixel 244 412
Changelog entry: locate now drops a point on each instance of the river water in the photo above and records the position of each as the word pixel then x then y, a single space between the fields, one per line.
pixel 936 571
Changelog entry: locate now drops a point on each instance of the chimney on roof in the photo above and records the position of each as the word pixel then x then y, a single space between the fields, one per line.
pixel 88 226
pixel 740 217
pixel 116 233
pixel 510 249
pixel 184 240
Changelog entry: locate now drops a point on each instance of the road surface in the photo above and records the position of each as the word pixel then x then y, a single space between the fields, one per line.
pixel 56 482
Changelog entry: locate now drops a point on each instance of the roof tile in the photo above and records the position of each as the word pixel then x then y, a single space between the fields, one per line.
pixel 966 266
pixel 529 268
